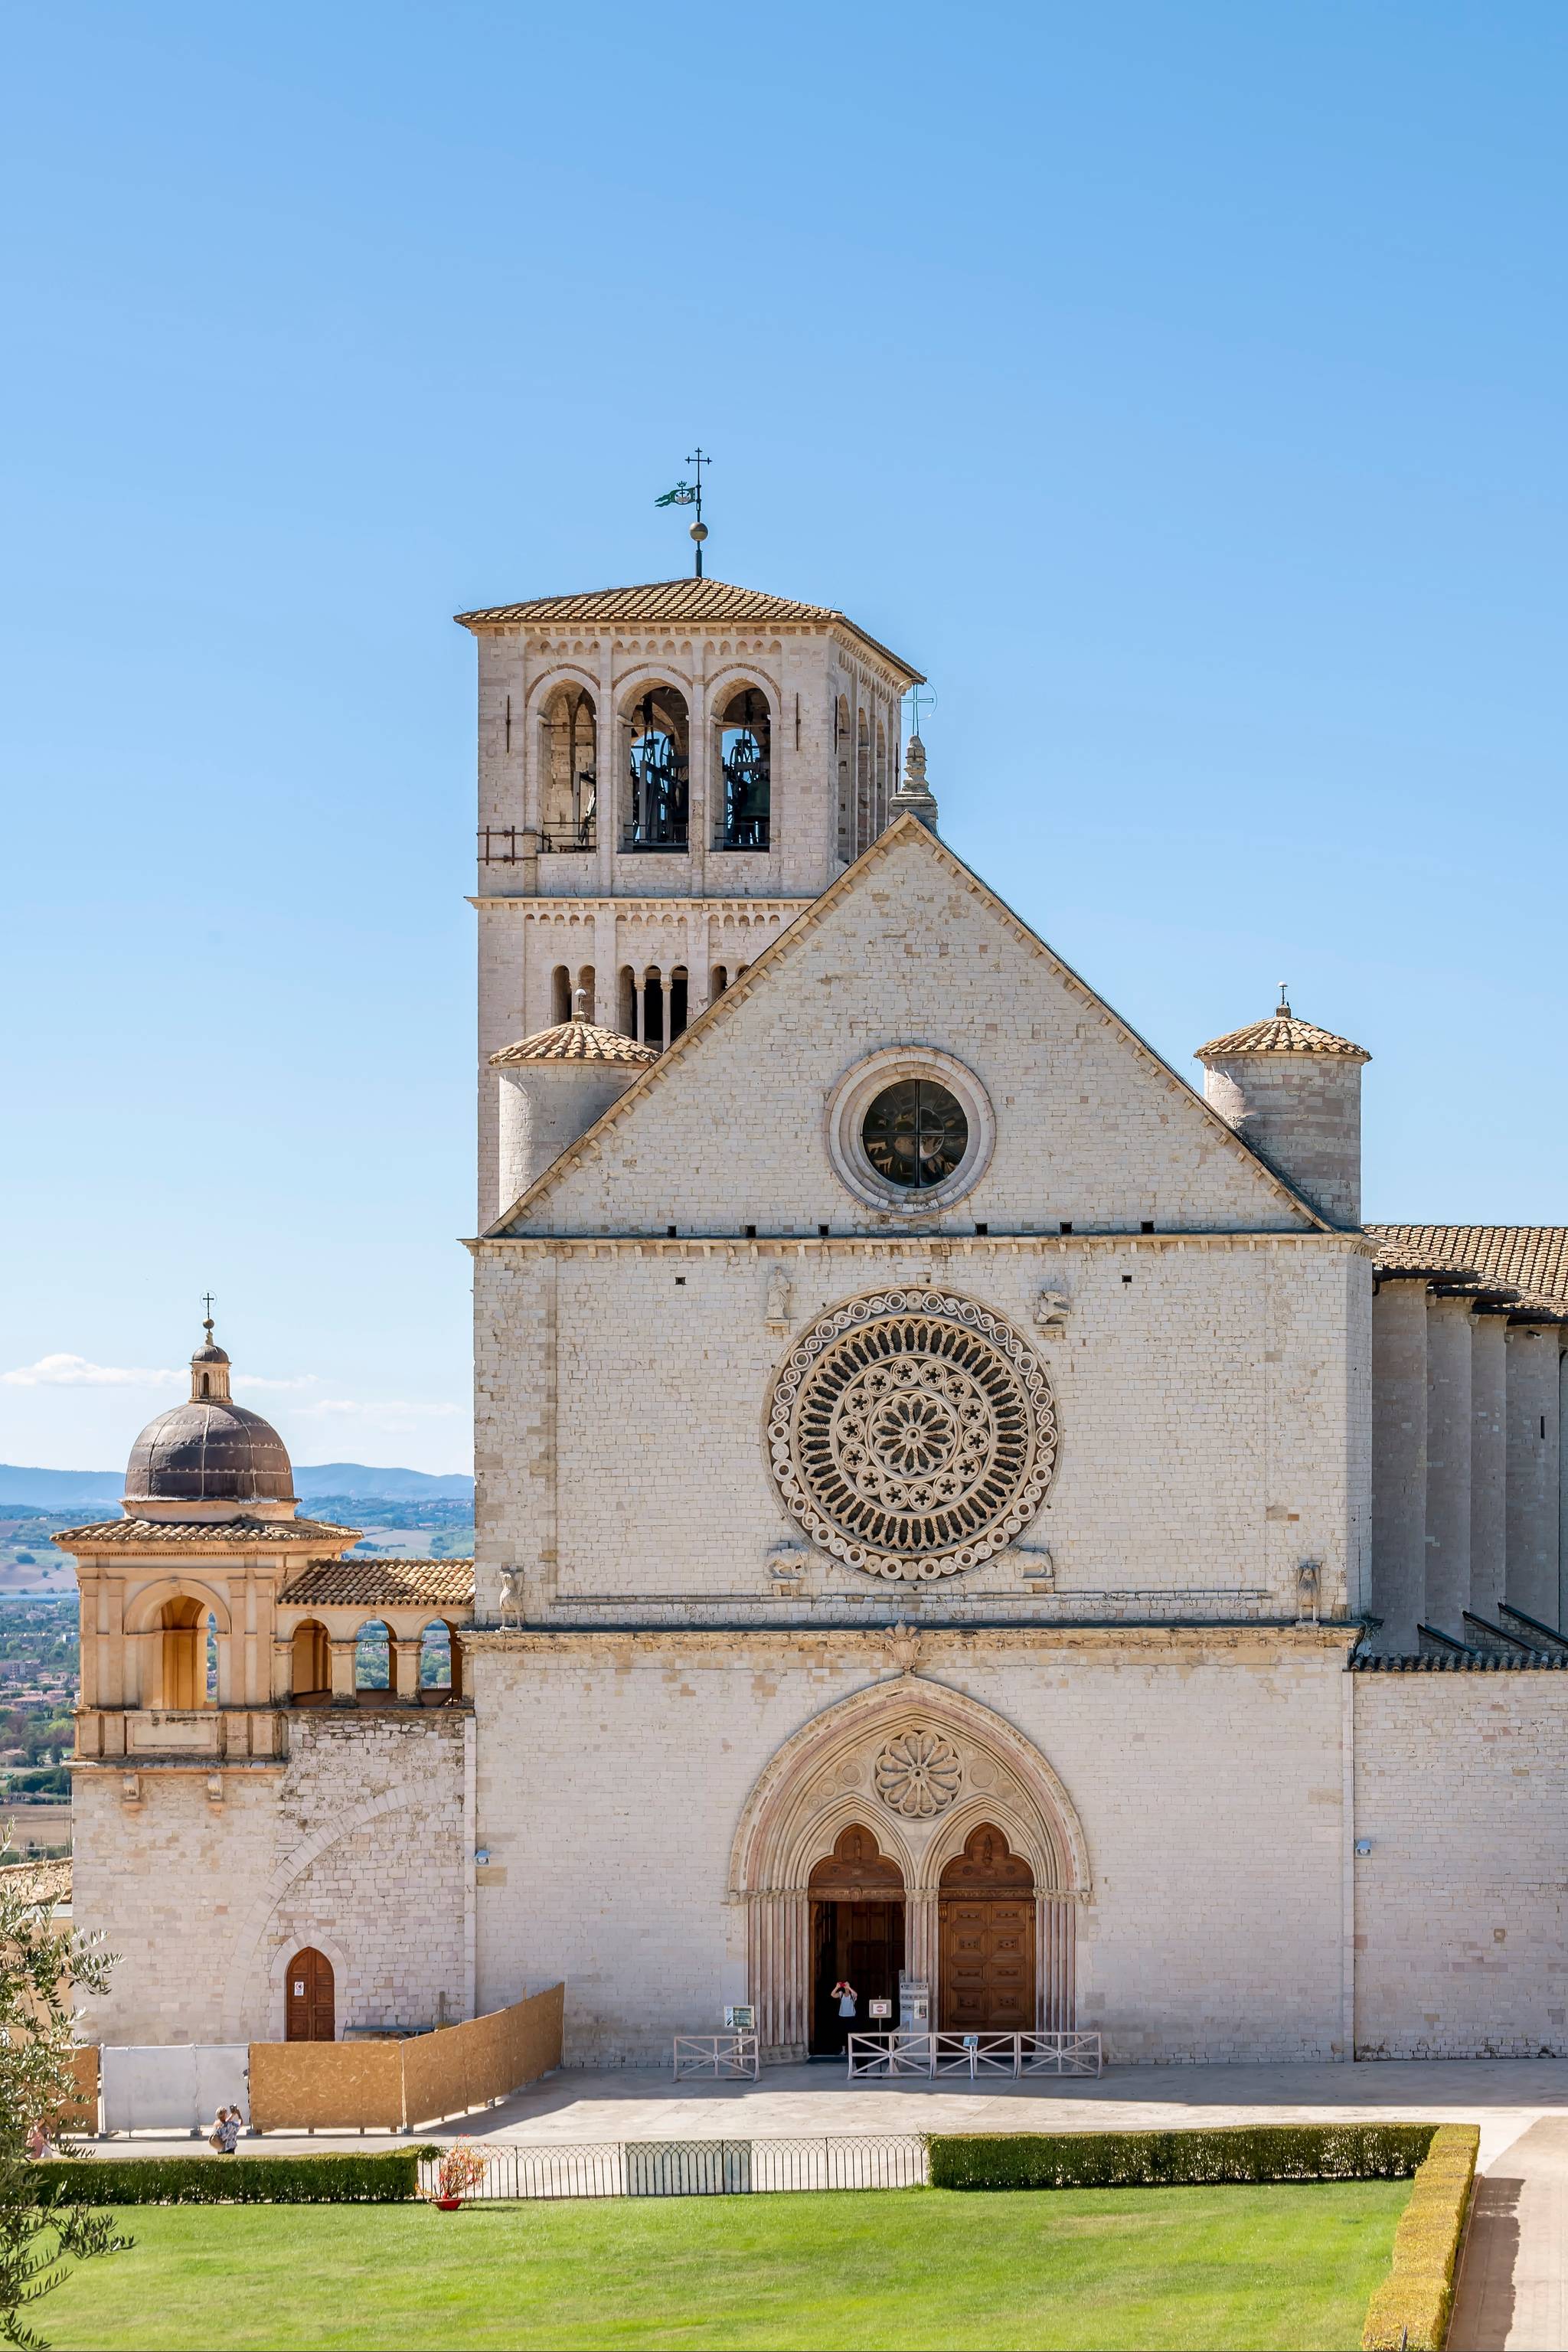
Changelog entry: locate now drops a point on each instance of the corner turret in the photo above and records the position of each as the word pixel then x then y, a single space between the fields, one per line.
pixel 1293 1092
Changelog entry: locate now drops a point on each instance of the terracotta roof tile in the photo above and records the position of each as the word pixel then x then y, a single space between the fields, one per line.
pixel 382 1584
pixel 40 1881
pixel 1460 1661
pixel 1529 1259
pixel 707 604
pixel 576 1041
pixel 1533 1258
pixel 1281 1033
pixel 209 1535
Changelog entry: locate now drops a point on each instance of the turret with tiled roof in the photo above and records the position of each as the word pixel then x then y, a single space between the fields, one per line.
pixel 1293 1091
pixel 554 1086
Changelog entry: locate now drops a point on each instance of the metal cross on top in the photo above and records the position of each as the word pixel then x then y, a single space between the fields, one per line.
pixel 919 694
pixel 207 1303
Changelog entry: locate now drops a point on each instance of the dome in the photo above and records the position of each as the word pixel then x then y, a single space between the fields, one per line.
pixel 209 1449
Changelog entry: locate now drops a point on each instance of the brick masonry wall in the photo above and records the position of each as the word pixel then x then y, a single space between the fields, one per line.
pixel 1461 1905
pixel 358 1845
pixel 613 1774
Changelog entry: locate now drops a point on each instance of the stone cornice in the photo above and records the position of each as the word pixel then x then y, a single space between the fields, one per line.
pixel 541 902
pixel 936 1246
pixel 1238 1643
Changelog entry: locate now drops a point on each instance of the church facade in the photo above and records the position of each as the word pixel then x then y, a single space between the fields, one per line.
pixel 954 1499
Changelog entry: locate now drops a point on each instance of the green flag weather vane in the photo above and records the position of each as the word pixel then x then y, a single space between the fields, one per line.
pixel 690 494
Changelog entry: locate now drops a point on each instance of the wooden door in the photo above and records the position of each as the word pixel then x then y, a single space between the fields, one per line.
pixel 987 1938
pixel 310 2012
pixel 987 1964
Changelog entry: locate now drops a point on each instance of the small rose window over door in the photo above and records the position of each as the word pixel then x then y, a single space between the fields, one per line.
pixel 309 2011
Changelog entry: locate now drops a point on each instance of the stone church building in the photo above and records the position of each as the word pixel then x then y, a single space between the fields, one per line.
pixel 953 1496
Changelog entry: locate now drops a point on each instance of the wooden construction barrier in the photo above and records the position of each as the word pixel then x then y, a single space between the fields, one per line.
pixel 461 2066
pixel 394 2086
pixel 326 2085
pixel 80 2112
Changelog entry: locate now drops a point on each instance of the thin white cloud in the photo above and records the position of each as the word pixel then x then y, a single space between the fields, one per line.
pixel 63 1371
pixel 76 1372
pixel 380 1408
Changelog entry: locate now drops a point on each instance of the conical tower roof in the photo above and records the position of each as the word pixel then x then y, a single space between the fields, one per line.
pixel 576 1041
pixel 1281 1033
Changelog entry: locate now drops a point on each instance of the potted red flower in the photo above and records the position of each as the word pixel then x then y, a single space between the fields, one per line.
pixel 459 2171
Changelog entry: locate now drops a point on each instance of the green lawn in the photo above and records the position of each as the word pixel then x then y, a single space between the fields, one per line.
pixel 1285 2269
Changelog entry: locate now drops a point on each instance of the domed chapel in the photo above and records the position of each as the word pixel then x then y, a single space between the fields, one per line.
pixel 956 1499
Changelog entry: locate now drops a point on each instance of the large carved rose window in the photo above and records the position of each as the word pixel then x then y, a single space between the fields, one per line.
pixel 911 1433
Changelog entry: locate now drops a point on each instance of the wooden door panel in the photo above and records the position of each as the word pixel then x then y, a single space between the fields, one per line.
pixel 987 1965
pixel 310 2006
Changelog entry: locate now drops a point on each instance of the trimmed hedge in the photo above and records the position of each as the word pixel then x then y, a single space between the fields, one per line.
pixel 1412 2305
pixel 1178 2159
pixel 382 2180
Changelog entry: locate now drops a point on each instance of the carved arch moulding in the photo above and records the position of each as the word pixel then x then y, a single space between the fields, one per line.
pixel 921 1766
pixel 852 1763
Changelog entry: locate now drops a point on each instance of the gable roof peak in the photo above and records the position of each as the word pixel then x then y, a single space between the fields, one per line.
pixel 904 831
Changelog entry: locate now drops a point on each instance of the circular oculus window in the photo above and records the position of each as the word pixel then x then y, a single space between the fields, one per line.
pixel 911 1131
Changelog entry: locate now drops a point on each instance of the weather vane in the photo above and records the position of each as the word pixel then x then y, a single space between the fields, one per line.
pixel 690 494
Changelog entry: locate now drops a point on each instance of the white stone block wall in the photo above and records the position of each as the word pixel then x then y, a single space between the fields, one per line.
pixel 1207 1778
pixel 358 1845
pixel 1207 1402
pixel 1461 1905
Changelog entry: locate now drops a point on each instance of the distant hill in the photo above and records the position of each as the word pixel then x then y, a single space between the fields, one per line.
pixel 76 1490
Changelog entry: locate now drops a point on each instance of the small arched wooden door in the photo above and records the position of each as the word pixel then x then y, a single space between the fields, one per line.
pixel 309 2009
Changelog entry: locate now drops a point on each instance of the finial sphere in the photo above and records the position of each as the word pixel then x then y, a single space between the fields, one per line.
pixel 699 532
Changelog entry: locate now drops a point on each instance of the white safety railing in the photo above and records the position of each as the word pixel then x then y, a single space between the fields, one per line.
pixel 972 2055
pixel 733 2057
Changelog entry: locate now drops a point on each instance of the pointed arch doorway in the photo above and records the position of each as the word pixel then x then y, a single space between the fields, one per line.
pixel 985 1924
pixel 857 1896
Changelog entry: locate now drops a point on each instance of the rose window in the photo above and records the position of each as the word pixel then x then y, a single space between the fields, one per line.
pixel 911 1433
pixel 918 1774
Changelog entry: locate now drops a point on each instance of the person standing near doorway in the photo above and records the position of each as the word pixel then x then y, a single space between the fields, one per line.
pixel 845 1994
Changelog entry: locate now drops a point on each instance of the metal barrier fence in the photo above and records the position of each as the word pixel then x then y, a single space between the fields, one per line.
pixel 523 2171
pixel 733 2057
pixel 974 2055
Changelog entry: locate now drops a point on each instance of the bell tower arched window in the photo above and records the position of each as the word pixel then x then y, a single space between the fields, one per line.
pixel 745 755
pixel 568 770
pixel 658 771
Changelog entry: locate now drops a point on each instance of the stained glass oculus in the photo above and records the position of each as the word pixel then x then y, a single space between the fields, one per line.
pixel 915 1134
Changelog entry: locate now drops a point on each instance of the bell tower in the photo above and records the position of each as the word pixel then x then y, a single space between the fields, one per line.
pixel 668 775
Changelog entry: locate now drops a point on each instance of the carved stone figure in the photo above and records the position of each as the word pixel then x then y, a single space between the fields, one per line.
pixel 1052 1308
pixel 511 1595
pixel 779 1293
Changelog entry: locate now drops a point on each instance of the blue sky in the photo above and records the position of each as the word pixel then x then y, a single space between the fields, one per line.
pixel 1181 387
